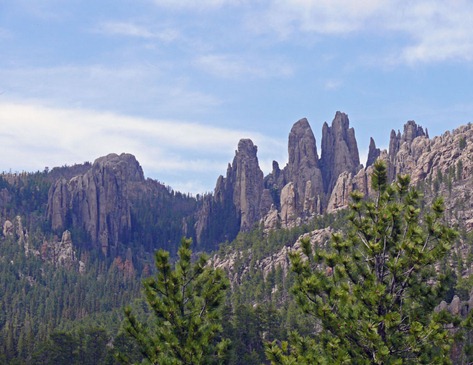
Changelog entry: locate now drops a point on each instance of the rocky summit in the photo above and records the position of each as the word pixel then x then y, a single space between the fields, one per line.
pixel 99 200
pixel 112 203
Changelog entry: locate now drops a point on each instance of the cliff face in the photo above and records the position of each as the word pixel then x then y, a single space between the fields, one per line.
pixel 113 204
pixel 238 198
pixel 302 169
pixel 98 201
pixel 285 197
pixel 339 150
pixel 246 180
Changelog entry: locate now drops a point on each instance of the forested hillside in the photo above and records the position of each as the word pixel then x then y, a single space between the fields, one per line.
pixel 77 241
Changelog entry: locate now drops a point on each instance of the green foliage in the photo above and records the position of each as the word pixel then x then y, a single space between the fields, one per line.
pixel 39 298
pixel 186 302
pixel 373 289
pixel 86 346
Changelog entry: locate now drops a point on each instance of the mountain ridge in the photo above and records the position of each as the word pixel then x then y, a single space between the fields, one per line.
pixel 112 203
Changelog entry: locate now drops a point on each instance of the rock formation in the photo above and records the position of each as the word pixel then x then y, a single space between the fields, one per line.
pixel 8 228
pixel 98 201
pixel 411 132
pixel 64 254
pixel 373 153
pixel 280 259
pixel 239 198
pixel 246 180
pixel 303 167
pixel 288 214
pixel 61 253
pixel 339 151
pixel 102 200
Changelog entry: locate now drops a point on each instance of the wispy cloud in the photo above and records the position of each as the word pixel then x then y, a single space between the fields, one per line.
pixel 139 31
pixel 439 31
pixel 433 30
pixel 233 66
pixel 197 4
pixel 111 88
pixel 66 136
pixel 316 16
pixel 333 84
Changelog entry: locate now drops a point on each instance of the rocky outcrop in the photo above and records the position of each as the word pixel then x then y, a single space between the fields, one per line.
pixel 15 231
pixel 410 133
pixel 8 228
pixel 288 206
pixel 340 196
pixel 98 201
pixel 339 151
pixel 107 200
pixel 238 264
pixel 64 251
pixel 308 186
pixel 272 220
pixel 438 167
pixel 274 182
pixel 442 166
pixel 61 253
pixel 345 185
pixel 125 267
pixel 239 199
pixel 373 153
pixel 246 180
pixel 303 168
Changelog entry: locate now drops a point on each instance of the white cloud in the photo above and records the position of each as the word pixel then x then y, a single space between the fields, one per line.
pixel 333 84
pixel 316 16
pixel 435 30
pixel 196 4
pixel 139 31
pixel 34 136
pixel 232 66
pixel 439 31
pixel 110 88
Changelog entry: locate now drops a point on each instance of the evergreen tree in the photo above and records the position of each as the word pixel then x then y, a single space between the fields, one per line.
pixel 373 290
pixel 187 305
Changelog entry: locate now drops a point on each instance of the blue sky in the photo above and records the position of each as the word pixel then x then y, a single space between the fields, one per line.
pixel 179 82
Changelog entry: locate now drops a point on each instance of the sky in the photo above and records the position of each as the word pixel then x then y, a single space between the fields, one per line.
pixel 178 83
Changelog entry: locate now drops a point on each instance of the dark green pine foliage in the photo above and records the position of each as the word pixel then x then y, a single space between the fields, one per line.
pixel 187 303
pixel 374 289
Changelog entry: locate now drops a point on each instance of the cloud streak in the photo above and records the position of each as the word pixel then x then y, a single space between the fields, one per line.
pixel 436 30
pixel 110 88
pixel 197 4
pixel 66 136
pixel 232 66
pixel 130 29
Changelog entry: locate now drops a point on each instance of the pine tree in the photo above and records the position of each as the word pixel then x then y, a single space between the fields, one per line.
pixel 373 290
pixel 186 303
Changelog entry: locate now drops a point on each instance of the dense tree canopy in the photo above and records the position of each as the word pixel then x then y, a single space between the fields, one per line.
pixel 373 290
pixel 186 302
